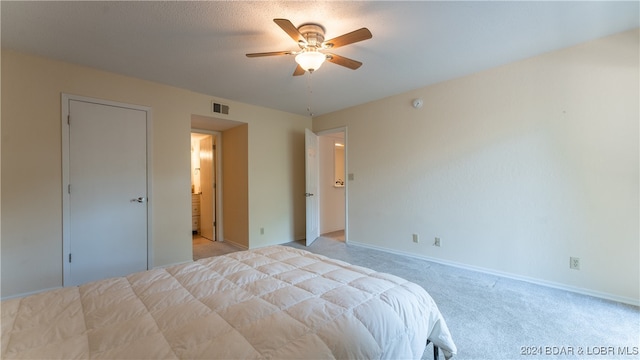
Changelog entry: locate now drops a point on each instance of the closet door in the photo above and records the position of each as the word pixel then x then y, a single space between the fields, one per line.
pixel 106 221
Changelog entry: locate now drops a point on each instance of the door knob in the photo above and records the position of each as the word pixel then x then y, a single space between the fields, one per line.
pixel 308 194
pixel 140 200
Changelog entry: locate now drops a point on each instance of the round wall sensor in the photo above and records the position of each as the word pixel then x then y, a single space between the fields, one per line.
pixel 417 103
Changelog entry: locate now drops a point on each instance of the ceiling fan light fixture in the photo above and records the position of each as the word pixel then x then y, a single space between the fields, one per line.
pixel 310 60
pixel 310 39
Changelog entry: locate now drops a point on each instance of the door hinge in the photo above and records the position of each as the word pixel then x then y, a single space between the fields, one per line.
pixel 68 119
pixel 69 257
pixel 69 188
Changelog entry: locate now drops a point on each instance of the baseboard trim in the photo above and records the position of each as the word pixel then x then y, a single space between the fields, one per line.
pixel 16 296
pixel 506 275
pixel 171 264
pixel 236 244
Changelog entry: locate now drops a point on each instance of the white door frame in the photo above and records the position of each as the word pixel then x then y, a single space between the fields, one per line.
pixel 65 175
pixel 343 129
pixel 218 212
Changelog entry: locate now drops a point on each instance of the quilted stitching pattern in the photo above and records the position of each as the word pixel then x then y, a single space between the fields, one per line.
pixel 275 302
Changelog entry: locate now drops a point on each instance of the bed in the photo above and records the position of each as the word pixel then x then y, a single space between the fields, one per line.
pixel 270 303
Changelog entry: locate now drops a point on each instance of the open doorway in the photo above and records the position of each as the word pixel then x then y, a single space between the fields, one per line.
pixel 231 176
pixel 204 175
pixel 332 184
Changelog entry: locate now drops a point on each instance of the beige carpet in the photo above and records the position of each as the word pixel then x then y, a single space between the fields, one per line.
pixel 204 248
pixel 335 235
pixel 492 317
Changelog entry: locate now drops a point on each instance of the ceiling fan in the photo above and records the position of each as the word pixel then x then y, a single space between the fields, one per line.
pixel 313 47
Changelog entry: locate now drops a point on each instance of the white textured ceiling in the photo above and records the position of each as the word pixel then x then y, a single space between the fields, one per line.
pixel 201 46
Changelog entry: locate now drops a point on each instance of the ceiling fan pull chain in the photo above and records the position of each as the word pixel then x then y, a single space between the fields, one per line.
pixel 309 94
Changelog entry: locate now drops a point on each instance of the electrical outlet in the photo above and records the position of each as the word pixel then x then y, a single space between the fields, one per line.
pixel 415 238
pixel 574 263
pixel 436 242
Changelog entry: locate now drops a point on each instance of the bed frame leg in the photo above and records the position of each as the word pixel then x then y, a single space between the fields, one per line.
pixel 436 350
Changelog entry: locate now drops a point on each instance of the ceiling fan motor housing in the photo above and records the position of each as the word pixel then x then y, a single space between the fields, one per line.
pixel 313 33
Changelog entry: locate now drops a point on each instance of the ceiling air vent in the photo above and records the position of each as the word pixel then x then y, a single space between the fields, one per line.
pixel 220 109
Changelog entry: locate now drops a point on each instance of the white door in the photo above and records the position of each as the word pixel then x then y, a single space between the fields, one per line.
pixel 312 166
pixel 207 183
pixel 107 191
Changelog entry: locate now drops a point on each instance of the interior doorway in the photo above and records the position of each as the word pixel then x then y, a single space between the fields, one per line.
pixel 231 158
pixel 333 184
pixel 204 186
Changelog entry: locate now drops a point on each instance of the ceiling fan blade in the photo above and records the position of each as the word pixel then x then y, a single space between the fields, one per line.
pixel 291 30
pixel 273 53
pixel 343 61
pixel 299 71
pixel 350 38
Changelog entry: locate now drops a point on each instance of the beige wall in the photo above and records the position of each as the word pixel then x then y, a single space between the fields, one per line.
pixel 31 234
pixel 276 190
pixel 516 169
pixel 235 190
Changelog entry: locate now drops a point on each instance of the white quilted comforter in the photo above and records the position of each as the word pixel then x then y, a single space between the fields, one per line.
pixel 270 303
